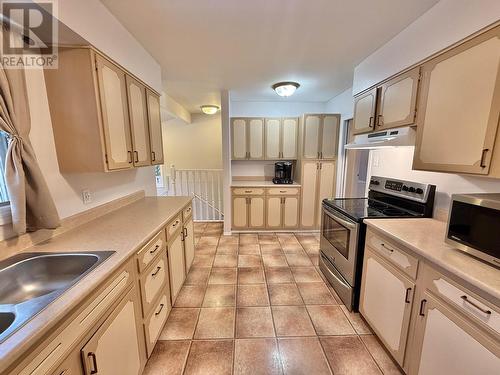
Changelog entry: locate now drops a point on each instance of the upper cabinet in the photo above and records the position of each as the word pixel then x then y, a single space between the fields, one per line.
pixel 103 118
pixel 281 138
pixel 247 138
pixel 459 109
pixel 320 136
pixel 364 112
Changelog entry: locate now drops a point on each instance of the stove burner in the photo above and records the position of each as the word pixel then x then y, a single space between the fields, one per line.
pixel 394 212
pixel 377 205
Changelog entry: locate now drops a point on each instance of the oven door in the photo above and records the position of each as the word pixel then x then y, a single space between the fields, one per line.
pixel 339 242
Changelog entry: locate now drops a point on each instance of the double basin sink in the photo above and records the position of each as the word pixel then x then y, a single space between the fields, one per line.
pixel 30 281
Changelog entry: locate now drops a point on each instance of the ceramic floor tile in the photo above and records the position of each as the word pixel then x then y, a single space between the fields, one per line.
pixel 381 357
pixel 271 249
pixel 203 260
pixel 249 249
pixel 274 261
pixel 223 276
pixel 303 356
pixel 316 294
pixel 225 261
pixel 229 249
pixel 210 358
pixel 249 261
pixel 232 239
pixel 208 240
pixel 329 320
pixel 248 238
pixel 190 296
pixel 168 358
pixel 180 324
pixel 293 248
pixel 279 275
pixel 305 275
pixel 292 321
pixel 252 295
pixel 284 294
pixel 298 260
pixel 314 260
pixel 197 276
pixel 347 355
pixel 215 323
pixel 220 295
pixel 357 322
pixel 251 275
pixel 205 249
pixel 268 239
pixel 254 322
pixel 257 357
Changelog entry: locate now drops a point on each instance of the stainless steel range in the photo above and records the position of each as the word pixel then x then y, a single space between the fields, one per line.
pixel 343 231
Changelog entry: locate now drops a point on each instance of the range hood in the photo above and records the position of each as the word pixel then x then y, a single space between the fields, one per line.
pixel 386 138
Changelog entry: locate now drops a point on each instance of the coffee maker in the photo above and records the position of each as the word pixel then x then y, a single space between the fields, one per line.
pixel 283 173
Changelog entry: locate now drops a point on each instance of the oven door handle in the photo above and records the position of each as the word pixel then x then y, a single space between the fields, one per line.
pixel 336 274
pixel 345 223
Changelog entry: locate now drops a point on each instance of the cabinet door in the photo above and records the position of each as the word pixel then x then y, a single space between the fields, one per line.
pixel 290 131
pixel 189 244
pixel 138 113
pixel 364 112
pixel 256 138
pixel 155 135
pixel 312 131
pixel 115 120
pixel 290 212
pixel 256 210
pixel 114 348
pixel 330 136
pixel 240 212
pixel 274 213
pixel 450 344
pixel 239 138
pixel 398 101
pixel 326 188
pixel 273 138
pixel 176 265
pixel 310 172
pixel 459 107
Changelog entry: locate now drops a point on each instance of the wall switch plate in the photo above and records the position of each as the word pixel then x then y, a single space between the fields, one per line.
pixel 86 196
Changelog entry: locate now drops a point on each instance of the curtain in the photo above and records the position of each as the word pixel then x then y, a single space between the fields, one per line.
pixel 31 204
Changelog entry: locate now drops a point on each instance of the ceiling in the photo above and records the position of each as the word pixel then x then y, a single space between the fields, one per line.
pixel 247 45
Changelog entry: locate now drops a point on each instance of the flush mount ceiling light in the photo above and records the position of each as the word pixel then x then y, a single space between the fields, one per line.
pixel 209 109
pixel 285 88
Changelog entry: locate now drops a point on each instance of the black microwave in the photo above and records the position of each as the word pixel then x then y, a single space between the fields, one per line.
pixel 474 225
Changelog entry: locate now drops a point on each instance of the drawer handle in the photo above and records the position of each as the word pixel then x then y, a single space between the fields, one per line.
pixel 156 272
pixel 408 290
pixel 387 248
pixel 422 307
pixel 175 224
pixel 94 362
pixel 159 311
pixel 248 191
pixel 484 311
pixel 282 191
pixel 154 250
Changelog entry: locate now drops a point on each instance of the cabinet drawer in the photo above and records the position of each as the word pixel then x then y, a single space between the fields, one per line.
pixel 154 323
pixel 480 311
pixel 283 191
pixel 187 212
pixel 389 250
pixel 154 247
pixel 152 283
pixel 173 227
pixel 248 191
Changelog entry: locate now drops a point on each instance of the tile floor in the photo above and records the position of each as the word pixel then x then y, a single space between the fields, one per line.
pixel 258 304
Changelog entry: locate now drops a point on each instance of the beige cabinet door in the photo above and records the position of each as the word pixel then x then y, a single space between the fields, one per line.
pixel 239 138
pixel 274 212
pixel 240 212
pixel 312 133
pixel 256 209
pixel 138 113
pixel 290 212
pixel 398 101
pixel 290 131
pixel 114 348
pixel 446 343
pixel 155 135
pixel 386 302
pixel 115 120
pixel 326 188
pixel 459 107
pixel 273 138
pixel 330 136
pixel 176 265
pixel 188 244
pixel 364 112
pixel 256 138
pixel 310 173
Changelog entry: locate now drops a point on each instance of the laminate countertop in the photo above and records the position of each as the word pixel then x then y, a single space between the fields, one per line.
pixel 425 237
pixel 124 231
pixel 263 184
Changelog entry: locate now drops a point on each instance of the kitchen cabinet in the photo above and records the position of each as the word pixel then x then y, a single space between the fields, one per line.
pixel 459 109
pixel 274 212
pixel 386 302
pixel 281 138
pixel 320 136
pixel 364 112
pixel 282 208
pixel 115 348
pixel 256 212
pixel 248 209
pixel 188 239
pixel 176 264
pixel 247 138
pixel 103 118
pixel 240 212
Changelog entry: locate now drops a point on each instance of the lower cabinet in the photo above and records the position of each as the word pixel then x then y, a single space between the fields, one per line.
pixel 188 239
pixel 249 212
pixel 153 323
pixel 176 265
pixel 282 212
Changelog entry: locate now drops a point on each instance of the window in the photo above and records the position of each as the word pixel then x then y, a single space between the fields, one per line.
pixel 4 197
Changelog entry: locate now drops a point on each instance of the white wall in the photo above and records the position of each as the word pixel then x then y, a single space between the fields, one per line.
pixel 342 103
pixel 274 109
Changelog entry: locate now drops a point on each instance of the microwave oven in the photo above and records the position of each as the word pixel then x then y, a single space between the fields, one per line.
pixel 474 225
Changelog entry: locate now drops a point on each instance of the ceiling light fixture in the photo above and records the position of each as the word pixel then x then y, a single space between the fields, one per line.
pixel 209 109
pixel 285 88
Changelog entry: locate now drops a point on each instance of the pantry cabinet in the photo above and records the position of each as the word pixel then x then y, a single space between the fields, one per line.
pixel 281 138
pixel 139 123
pixel 247 138
pixel 320 136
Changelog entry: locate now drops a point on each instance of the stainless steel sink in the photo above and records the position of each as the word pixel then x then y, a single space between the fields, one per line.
pixel 30 281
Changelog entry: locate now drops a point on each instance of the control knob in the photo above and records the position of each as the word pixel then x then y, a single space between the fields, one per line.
pixel 405 188
pixel 419 191
pixel 374 182
pixel 411 189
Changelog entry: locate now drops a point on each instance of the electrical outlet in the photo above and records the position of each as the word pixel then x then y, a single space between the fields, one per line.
pixel 86 196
